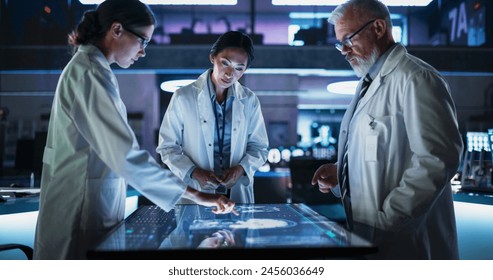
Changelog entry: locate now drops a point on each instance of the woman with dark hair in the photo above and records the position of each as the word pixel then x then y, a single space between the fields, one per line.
pixel 91 152
pixel 213 134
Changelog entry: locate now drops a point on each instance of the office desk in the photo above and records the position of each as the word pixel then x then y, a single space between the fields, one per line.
pixel 261 231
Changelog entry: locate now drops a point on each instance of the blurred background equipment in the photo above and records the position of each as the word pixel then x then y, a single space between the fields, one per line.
pixel 477 162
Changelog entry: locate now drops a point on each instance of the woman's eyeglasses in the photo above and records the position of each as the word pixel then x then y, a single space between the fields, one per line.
pixel 143 41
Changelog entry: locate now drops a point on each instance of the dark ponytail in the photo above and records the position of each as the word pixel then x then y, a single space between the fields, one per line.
pixel 95 23
pixel 88 31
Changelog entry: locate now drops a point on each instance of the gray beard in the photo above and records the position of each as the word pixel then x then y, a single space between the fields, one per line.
pixel 364 65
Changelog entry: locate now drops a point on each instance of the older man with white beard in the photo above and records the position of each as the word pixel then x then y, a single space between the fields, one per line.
pixel 399 142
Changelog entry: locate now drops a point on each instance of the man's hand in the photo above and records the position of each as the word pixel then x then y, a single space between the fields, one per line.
pixel 325 177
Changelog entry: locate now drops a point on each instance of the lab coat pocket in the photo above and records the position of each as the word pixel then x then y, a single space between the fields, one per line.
pixel 371 147
pixel 376 137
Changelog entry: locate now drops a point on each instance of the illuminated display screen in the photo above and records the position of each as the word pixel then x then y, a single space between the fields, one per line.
pixel 259 228
pixel 490 141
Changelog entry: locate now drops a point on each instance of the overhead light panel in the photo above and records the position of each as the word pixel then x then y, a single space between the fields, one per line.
pixel 302 72
pixel 173 85
pixel 421 3
pixel 304 15
pixel 172 2
pixel 346 87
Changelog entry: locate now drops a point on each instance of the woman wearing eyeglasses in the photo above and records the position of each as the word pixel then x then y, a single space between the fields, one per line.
pixel 91 152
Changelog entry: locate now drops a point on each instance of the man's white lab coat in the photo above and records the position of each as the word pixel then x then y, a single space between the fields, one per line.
pixel 404 148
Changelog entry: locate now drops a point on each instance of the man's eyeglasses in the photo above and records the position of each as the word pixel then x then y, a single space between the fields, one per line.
pixel 347 42
pixel 143 41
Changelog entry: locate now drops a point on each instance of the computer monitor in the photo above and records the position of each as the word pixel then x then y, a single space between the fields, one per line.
pixel 490 141
pixel 478 141
pixel 476 161
pixel 272 231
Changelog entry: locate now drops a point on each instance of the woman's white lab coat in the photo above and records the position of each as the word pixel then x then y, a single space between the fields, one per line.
pixel 186 136
pixel 90 155
pixel 405 147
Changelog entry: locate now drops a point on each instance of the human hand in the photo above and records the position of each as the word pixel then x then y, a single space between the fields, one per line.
pixel 232 175
pixel 207 179
pixel 222 204
pixel 220 238
pixel 325 177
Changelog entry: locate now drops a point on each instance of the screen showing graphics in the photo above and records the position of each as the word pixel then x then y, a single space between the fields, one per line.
pixel 259 228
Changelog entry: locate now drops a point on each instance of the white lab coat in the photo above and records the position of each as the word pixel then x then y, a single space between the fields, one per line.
pixel 186 136
pixel 90 155
pixel 405 147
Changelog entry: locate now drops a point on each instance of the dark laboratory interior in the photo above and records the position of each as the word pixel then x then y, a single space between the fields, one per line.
pixel 303 83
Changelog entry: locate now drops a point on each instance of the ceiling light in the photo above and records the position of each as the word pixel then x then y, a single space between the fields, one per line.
pixel 304 15
pixel 173 85
pixel 173 2
pixel 302 72
pixel 346 87
pixel 338 2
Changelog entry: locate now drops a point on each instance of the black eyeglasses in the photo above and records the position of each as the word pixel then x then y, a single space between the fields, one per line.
pixel 347 42
pixel 143 41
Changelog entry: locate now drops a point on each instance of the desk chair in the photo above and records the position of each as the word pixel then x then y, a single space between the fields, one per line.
pixel 28 251
pixel 302 170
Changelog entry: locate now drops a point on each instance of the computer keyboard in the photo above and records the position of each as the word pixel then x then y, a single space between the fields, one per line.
pixel 145 228
pixel 149 215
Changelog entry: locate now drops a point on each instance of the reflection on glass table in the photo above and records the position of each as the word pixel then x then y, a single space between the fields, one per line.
pixel 259 230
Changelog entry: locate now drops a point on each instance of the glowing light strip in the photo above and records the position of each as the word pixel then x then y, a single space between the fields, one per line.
pixel 304 15
pixel 172 2
pixel 264 71
pixel 302 72
pixel 421 3
pixel 346 87
pixel 173 85
pixel 308 15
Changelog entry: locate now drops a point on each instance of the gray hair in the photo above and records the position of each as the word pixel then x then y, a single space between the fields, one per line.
pixel 366 8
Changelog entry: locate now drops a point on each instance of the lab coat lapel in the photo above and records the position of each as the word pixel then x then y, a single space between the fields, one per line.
pixel 354 108
pixel 389 65
pixel 345 125
pixel 237 120
pixel 369 94
pixel 207 120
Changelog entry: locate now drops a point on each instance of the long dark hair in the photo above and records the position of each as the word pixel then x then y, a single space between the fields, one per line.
pixel 234 39
pixel 95 23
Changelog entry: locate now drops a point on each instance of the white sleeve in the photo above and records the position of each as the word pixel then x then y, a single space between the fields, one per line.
pixel 100 117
